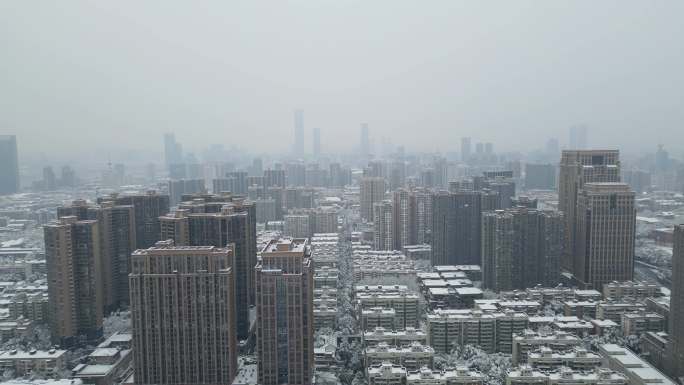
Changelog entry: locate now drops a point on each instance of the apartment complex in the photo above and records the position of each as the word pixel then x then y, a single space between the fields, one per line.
pixel 183 314
pixel 284 303
pixel 73 255
pixel 521 248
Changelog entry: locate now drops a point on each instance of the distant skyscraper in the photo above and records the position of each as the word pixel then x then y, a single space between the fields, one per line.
pixel 427 178
pixel 284 305
pixel 117 241
pixel 72 256
pixel 397 175
pixel 540 176
pixel 298 147
pixel 295 173
pixel 521 248
pixel 578 168
pixel 183 315
pixel 177 188
pixel 422 208
pixel 316 142
pixel 257 168
pixel 49 179
pixel 239 182
pixel 662 159
pixel 274 178
pixel 466 149
pixel 578 137
pixel 403 218
pixel 148 208
pixel 456 228
pixel 9 165
pixel 606 222
pixel 372 191
pixel 382 221
pixel 365 142
pixel 552 149
pixel 638 180
pixel 676 353
pixel 440 166
pixel 505 190
pixel 173 151
pixel 339 177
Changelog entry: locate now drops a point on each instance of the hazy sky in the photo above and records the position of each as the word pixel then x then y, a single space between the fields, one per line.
pixel 120 73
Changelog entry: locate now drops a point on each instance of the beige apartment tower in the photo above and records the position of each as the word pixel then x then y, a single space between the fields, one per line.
pixel 183 315
pixel 383 226
pixel 606 221
pixel 577 168
pixel 372 191
pixel 284 294
pixel 72 255
pixel 117 242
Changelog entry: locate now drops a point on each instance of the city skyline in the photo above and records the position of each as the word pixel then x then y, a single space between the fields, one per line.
pixel 342 193
pixel 467 72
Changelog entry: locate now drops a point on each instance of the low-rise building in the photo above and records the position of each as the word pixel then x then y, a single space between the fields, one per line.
pixel 491 331
pixel 324 357
pixel 576 358
pixel 411 357
pixel 109 364
pixel 659 305
pixel 630 289
pixel 599 376
pixel 529 341
pixel 653 347
pixel 394 337
pixel 405 304
pixel 473 272
pixel 603 327
pixel 418 252
pixel 636 369
pixel 641 322
pixel 14 328
pixel 614 310
pixel 579 328
pixel 325 317
pixel 458 376
pixel 382 265
pixel 325 276
pixel 45 363
pixel 386 374
pixel 374 317
pixel 580 309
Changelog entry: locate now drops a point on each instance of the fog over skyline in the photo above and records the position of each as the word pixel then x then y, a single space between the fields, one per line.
pixel 85 76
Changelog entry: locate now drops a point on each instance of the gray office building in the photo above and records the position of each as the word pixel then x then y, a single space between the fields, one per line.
pixel 456 228
pixel 9 165
pixel 521 248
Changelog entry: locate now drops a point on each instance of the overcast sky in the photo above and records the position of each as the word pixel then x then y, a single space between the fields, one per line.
pixel 77 74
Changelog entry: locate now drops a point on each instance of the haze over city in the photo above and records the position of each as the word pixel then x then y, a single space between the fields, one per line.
pixel 116 75
pixel 320 192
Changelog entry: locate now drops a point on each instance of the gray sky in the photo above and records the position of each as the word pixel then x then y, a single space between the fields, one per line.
pixel 421 72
